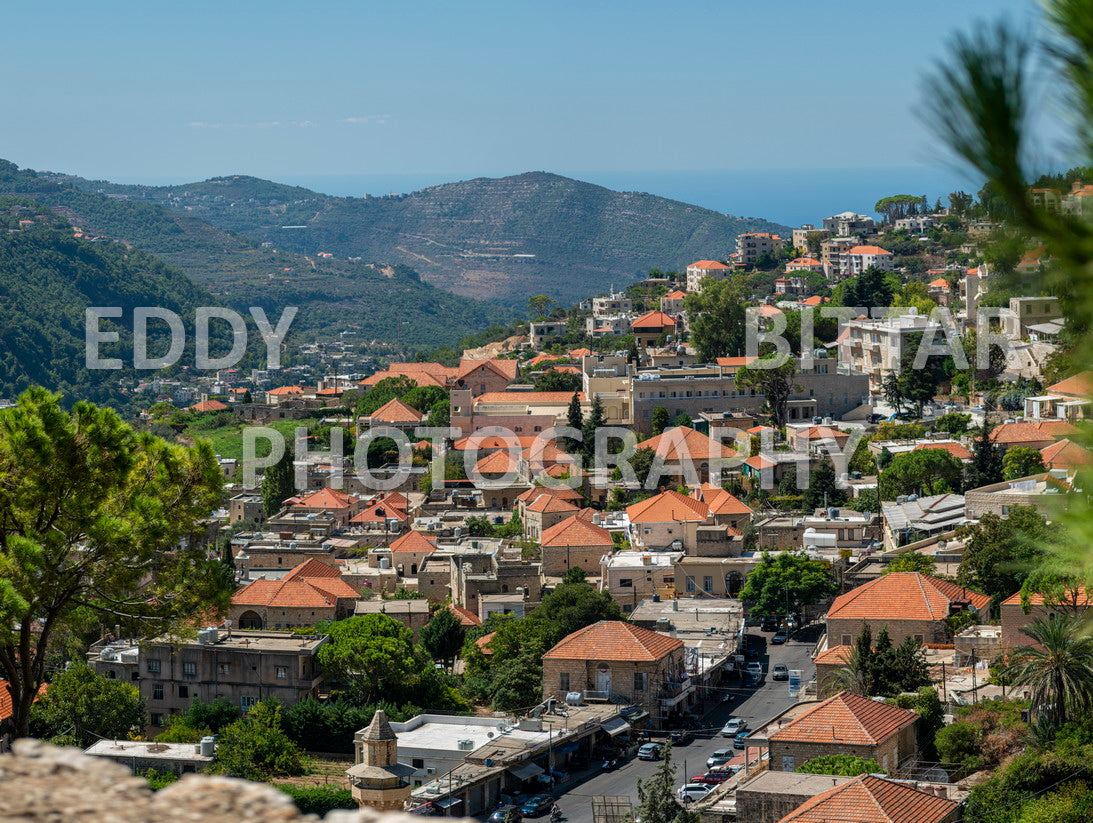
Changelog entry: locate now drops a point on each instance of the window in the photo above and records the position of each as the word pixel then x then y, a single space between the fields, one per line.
pixel 789 763
pixel 157 691
pixel 222 669
pixel 247 701
pixel 110 674
pixel 153 665
pixel 417 762
pixel 707 584
pixel 157 719
pixel 134 675
pixel 690 585
pixel 640 681
pixel 563 681
pixel 918 638
pixel 189 669
pixel 184 691
pixel 626 582
pixel 281 672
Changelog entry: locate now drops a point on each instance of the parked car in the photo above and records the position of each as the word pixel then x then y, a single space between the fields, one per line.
pixel 713 777
pixel 505 813
pixel 754 670
pixel 718 758
pixel 734 727
pixel 780 672
pixel 780 636
pixel 769 624
pixel 740 741
pixel 536 805
pixel 690 792
pixel 650 751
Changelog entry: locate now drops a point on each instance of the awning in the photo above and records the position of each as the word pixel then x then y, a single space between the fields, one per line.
pixel 448 802
pixel 566 748
pixel 616 726
pixel 525 771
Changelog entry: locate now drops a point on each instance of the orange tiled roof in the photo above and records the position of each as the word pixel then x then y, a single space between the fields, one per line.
pixel 7 705
pixel 684 443
pixel 868 250
pixel 653 320
pixel 576 531
pixel 209 406
pixel 395 411
pixel 545 397
pixel 910 595
pixel 848 719
pixel 735 361
pixel 1080 385
pixel 413 541
pixel 284 391
pixel 322 499
pixel 545 358
pixel 497 462
pixel 312 568
pixel 675 295
pixel 1038 599
pixel 545 503
pixel 721 501
pixel 1026 432
pixel 815 300
pixel 668 506
pixel 483 643
pixel 836 654
pixel 940 283
pixel 803 261
pixel 381 510
pixel 581 352
pixel 564 492
pixel 294 593
pixel 614 640
pixel 955 449
pixel 769 311
pixel 757 461
pixel 872 799
pixel 708 264
pixel 1065 454
pixel 466 618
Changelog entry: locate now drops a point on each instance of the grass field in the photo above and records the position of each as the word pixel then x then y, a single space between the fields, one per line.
pixel 227 441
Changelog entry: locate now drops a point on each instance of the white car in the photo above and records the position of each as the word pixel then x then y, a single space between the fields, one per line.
pixel 718 757
pixel 734 727
pixel 691 792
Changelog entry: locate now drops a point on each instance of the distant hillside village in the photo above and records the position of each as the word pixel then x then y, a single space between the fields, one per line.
pixel 530 634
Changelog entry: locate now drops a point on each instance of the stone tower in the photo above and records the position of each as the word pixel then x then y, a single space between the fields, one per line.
pixel 378 779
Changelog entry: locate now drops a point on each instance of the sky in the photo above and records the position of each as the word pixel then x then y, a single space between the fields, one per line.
pixel 167 92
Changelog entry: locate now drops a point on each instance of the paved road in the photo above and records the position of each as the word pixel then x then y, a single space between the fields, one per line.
pixel 754 704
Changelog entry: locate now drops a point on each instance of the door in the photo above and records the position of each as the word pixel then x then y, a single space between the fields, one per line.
pixel 603 680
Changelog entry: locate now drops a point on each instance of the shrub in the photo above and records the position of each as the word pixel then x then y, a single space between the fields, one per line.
pixel 318 800
pixel 846 765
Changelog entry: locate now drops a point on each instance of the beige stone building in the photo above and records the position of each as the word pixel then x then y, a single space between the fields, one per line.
pixel 378 779
pixel 575 541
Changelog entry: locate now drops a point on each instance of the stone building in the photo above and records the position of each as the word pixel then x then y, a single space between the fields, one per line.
pixel 845 724
pixel 574 541
pixel 612 659
pixel 868 798
pixel 1015 618
pixel 378 779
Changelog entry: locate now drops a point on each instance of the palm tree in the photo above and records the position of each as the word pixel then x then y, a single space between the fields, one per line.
pixel 855 677
pixel 1058 671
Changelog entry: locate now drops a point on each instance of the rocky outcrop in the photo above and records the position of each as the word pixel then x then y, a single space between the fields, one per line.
pixel 40 782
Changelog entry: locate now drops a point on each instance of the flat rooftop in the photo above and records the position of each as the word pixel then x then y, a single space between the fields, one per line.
pixel 791 783
pixel 254 641
pixel 444 733
pixel 147 749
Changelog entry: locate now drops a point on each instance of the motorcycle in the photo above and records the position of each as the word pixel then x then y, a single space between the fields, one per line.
pixel 556 815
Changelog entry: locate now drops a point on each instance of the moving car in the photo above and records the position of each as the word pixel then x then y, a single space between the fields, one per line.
pixel 690 792
pixel 718 758
pixel 780 672
pixel 505 813
pixel 536 805
pixel 780 636
pixel 734 727
pixel 769 624
pixel 754 670
pixel 681 737
pixel 650 751
pixel 740 741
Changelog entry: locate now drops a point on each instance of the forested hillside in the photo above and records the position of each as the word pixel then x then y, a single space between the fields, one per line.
pixel 500 239
pixel 384 303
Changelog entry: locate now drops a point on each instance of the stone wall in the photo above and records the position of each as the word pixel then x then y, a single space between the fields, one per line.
pixel 40 783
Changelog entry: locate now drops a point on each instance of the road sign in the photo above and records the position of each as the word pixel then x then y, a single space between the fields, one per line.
pixel 794 682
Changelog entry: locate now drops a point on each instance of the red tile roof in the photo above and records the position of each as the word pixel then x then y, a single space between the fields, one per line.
pixel 675 295
pixel 564 492
pixel 322 499
pixel 735 361
pixel 1028 432
pixel 614 640
pixel 466 618
pixel 576 531
pixel 209 406
pixel 295 593
pixel 654 320
pixel 1080 385
pixel 551 503
pixel 903 596
pixel 395 411
pixel 684 443
pixel 721 501
pixel 666 507
pixel 312 568
pixel 498 462
pixel 7 705
pixel 562 398
pixel 1066 454
pixel 848 719
pixel 708 264
pixel 1037 599
pixel 381 510
pixel 284 391
pixel 868 250
pixel 872 799
pixel 955 449
pixel 413 541
pixel 836 654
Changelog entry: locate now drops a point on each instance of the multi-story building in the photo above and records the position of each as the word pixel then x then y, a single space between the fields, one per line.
pixel 700 270
pixel 1079 200
pixel 832 255
pixel 859 258
pixel 242 666
pixel 801 237
pixel 875 347
pixel 1027 312
pixel 611 305
pixel 752 245
pixel 849 224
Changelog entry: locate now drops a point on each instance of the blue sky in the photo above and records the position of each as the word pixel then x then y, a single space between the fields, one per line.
pixel 172 91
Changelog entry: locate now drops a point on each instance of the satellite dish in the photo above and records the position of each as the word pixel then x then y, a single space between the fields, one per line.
pixel 489 735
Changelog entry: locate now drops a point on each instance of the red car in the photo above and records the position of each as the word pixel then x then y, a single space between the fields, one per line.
pixel 712 778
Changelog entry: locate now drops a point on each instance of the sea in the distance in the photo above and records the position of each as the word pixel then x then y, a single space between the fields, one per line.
pixel 787 196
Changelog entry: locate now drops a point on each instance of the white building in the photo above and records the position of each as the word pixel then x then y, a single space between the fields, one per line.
pixel 849 223
pixel 699 271
pixel 859 258
pixel 875 347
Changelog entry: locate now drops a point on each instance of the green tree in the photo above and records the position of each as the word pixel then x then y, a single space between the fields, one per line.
pixel 94 518
pixel 375 652
pixel 660 419
pixel 574 415
pixel 80 707
pixel 539 307
pixel 1072 802
pixel 785 583
pixel 596 420
pixel 656 796
pixel 1058 670
pixel 986 465
pixel 912 562
pixel 575 574
pixel 898 206
pixel 442 637
pixel 278 483
pixel 1021 461
pixel 823 488
pixel 717 316
pixel 845 765
pixel 641 461
pixel 255 747
pixel 1000 553
pixel 923 472
pixel 775 384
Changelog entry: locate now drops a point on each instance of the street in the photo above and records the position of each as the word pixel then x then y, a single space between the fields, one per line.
pixel 754 704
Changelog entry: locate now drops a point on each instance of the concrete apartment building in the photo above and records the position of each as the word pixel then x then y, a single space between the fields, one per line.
pixel 1026 313
pixel 859 258
pixel 611 305
pixel 801 236
pixel 849 224
pixel 750 246
pixel 242 666
pixel 875 347
pixel 700 270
